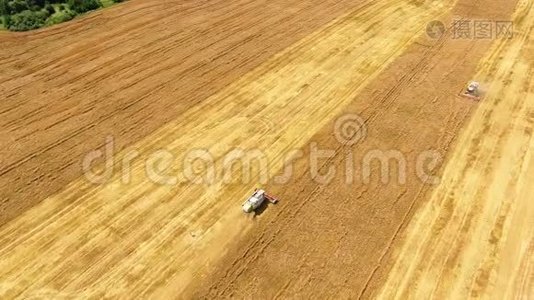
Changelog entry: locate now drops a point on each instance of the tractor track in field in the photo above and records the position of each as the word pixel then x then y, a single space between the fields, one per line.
pixel 280 235
pixel 242 262
pixel 40 229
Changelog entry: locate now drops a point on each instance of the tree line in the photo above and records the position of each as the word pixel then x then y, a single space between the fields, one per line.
pixel 22 15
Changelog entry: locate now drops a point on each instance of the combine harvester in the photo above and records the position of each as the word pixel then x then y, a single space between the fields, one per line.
pixel 256 200
pixel 472 91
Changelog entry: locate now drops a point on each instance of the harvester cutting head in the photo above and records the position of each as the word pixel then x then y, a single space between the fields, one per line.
pixel 256 200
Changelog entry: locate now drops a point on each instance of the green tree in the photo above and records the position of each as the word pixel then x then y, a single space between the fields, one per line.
pixel 4 8
pixel 27 20
pixel 17 6
pixel 81 6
